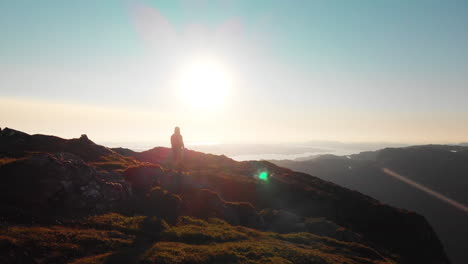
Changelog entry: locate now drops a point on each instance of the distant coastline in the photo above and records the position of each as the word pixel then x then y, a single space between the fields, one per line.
pixel 243 152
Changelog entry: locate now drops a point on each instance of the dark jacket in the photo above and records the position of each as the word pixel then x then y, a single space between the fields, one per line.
pixel 177 141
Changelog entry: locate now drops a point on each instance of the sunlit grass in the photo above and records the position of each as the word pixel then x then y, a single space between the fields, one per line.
pixel 65 243
pixel 7 160
pixel 116 221
pixel 103 238
pixel 196 231
pixel 114 162
pixel 132 225
pixel 97 259
pixel 215 241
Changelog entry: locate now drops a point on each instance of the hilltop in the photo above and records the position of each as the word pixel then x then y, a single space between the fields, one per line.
pixel 71 200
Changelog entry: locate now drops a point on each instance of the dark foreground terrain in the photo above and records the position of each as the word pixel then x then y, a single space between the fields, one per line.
pixel 72 201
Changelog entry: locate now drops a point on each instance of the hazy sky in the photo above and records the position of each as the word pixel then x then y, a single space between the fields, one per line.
pixel 298 70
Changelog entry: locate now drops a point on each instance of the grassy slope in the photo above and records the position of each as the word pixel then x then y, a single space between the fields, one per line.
pixel 113 238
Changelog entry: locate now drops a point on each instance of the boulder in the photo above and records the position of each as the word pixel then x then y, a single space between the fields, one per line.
pixel 144 178
pixel 161 203
pixel 204 203
pixel 282 221
pixel 242 213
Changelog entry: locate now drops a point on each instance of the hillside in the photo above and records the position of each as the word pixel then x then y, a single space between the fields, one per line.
pixel 442 168
pixel 77 202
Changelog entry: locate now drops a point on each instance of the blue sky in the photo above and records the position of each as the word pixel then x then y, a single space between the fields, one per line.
pixel 302 68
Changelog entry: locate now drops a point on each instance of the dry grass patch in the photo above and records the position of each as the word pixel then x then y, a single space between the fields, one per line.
pixel 8 160
pixel 197 231
pixel 58 244
pixel 193 240
pixel 98 259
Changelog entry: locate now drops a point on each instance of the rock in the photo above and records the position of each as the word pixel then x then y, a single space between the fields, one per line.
pixel 324 227
pixel 8 132
pixel 282 221
pixel 161 203
pixel 205 203
pixel 242 213
pixel 143 178
pixel 59 184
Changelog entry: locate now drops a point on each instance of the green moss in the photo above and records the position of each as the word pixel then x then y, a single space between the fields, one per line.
pixel 116 221
pixel 231 252
pixel 188 220
pixel 65 243
pixel 194 240
pixel 197 231
pixel 138 225
pixel 191 240
pixel 114 162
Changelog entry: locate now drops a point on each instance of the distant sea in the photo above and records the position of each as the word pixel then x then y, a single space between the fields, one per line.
pixel 269 156
pixel 243 152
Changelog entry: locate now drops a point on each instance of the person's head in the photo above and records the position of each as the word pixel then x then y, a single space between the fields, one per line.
pixel 176 130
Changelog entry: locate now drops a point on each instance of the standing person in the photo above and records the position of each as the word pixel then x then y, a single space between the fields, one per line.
pixel 177 143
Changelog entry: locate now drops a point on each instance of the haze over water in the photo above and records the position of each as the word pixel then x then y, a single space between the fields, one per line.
pixel 242 152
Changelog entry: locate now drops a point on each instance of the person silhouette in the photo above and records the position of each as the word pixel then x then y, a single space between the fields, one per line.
pixel 177 143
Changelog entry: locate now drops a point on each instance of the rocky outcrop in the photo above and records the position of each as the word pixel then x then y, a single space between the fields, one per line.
pixel 161 203
pixel 143 178
pixel 205 203
pixel 17 143
pixel 324 227
pixel 59 184
pixel 282 221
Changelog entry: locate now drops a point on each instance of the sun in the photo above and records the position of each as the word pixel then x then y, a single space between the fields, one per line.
pixel 204 83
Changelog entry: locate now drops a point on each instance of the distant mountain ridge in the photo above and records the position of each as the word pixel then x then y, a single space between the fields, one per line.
pixel 51 183
pixel 443 168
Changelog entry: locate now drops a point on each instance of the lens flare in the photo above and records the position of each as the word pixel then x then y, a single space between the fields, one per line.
pixel 263 176
pixel 425 189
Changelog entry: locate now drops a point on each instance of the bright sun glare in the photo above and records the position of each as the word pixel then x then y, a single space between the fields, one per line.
pixel 204 83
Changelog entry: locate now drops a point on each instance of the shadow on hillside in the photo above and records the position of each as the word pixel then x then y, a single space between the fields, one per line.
pixel 142 243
